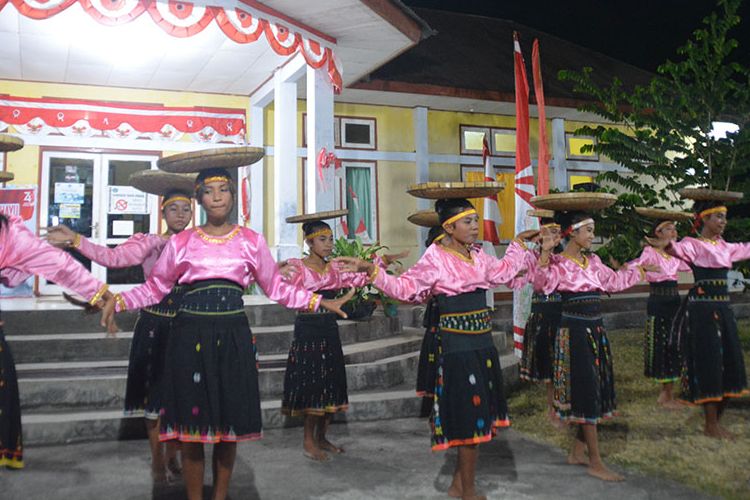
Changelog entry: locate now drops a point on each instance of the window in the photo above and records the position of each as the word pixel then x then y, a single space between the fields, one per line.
pixel 574 145
pixel 501 141
pixel 358 192
pixel 358 133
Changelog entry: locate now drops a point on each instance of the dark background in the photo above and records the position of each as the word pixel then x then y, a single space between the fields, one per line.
pixel 644 33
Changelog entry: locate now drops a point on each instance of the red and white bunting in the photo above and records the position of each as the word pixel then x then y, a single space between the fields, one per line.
pixel 86 118
pixel 181 19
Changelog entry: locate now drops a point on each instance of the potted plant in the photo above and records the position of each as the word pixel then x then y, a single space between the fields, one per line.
pixel 362 305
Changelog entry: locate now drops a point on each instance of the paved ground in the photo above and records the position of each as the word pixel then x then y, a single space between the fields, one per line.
pixel 384 460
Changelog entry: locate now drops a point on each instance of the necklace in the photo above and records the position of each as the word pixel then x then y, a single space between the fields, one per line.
pixel 458 254
pixel 220 240
pixel 709 240
pixel 583 264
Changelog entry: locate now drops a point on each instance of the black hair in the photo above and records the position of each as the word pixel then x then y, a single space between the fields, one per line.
pixel 176 192
pixel 567 219
pixel 434 232
pixel 3 220
pixel 213 172
pixel 543 221
pixel 701 205
pixel 311 227
pixel 656 224
pixel 448 207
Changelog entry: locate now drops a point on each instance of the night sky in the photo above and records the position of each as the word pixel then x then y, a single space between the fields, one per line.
pixel 644 33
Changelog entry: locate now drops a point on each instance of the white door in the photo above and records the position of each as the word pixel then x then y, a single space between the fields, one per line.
pixel 82 190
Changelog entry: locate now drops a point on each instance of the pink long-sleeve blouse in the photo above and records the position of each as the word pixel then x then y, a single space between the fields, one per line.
pixel 713 254
pixel 331 279
pixel 241 256
pixel 27 254
pixel 670 265
pixel 562 274
pixel 519 281
pixel 139 249
pixel 12 278
pixel 442 271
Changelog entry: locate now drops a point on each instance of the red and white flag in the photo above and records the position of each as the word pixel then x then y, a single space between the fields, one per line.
pixel 524 182
pixel 543 162
pixel 361 228
pixel 492 218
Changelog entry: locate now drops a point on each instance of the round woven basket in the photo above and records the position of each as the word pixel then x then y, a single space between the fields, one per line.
pixel 6 176
pixel 440 190
pixel 541 213
pixel 425 218
pixel 196 161
pixel 161 183
pixel 704 194
pixel 10 143
pixel 302 218
pixel 578 201
pixel 661 214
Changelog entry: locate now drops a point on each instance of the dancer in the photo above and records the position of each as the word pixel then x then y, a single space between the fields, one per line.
pixel 661 355
pixel 583 372
pixel 210 390
pixel 469 402
pixel 541 326
pixel 152 328
pixel 714 368
pixel 315 378
pixel 22 254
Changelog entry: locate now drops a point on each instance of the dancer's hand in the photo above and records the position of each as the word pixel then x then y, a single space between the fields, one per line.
pixel 614 263
pixel 108 314
pixel 531 235
pixel 353 265
pixel 390 258
pixel 60 236
pixel 549 241
pixel 287 270
pixel 334 305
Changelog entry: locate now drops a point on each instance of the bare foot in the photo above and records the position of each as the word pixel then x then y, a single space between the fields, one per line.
pixel 578 458
pixel 456 490
pixel 601 472
pixel 312 452
pixel 671 405
pixel 326 445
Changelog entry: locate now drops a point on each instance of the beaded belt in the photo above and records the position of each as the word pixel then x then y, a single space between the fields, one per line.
pixel 169 305
pixel 213 298
pixel 709 290
pixel 664 289
pixel 582 305
pixel 540 298
pixel 466 313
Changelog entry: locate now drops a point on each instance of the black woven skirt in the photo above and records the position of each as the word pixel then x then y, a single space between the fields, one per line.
pixel 147 351
pixel 713 363
pixel 315 378
pixel 584 384
pixel 11 437
pixel 662 356
pixel 210 389
pixel 469 402
pixel 539 337
pixel 428 353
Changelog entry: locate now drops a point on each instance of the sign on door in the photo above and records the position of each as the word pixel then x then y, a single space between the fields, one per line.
pixel 127 200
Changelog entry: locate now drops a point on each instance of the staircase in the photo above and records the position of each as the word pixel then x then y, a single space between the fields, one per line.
pixel 72 378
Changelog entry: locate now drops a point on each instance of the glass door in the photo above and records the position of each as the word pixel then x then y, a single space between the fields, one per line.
pixel 90 194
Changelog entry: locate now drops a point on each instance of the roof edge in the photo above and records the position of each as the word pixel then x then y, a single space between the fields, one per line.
pixel 401 17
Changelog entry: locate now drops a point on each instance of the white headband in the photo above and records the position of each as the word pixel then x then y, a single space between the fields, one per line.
pixel 579 225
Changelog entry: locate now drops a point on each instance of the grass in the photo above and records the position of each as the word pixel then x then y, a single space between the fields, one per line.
pixel 649 440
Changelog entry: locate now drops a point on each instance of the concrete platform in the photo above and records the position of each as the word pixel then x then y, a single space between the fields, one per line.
pixel 384 460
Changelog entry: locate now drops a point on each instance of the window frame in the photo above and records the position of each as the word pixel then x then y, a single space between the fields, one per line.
pixel 571 156
pixel 340 194
pixel 358 120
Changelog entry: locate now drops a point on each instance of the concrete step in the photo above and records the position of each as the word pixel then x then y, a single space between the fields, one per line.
pixel 57 427
pixel 63 347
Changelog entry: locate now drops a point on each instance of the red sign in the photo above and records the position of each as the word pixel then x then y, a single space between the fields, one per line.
pixel 18 201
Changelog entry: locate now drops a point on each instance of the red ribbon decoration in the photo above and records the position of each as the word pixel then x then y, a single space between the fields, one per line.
pixel 326 159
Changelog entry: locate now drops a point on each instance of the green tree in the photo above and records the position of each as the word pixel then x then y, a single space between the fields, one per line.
pixel 663 137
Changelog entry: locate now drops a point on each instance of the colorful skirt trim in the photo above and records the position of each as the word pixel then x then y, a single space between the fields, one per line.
pixel 706 330
pixel 584 389
pixel 11 435
pixel 315 378
pixel 539 338
pixel 209 390
pixel 660 354
pixel 468 403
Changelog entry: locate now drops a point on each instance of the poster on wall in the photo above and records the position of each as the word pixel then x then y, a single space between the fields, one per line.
pixel 20 201
pixel 71 193
pixel 127 200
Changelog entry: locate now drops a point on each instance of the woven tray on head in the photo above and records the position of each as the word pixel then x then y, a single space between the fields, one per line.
pixel 662 214
pixel 10 143
pixel 441 190
pixel 330 214
pixel 704 194
pixel 578 201
pixel 195 161
pixel 6 176
pixel 425 218
pixel 162 183
pixel 541 213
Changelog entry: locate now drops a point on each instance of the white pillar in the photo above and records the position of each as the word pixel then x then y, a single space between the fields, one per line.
pixel 257 132
pixel 422 147
pixel 285 167
pixel 319 196
pixel 559 154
